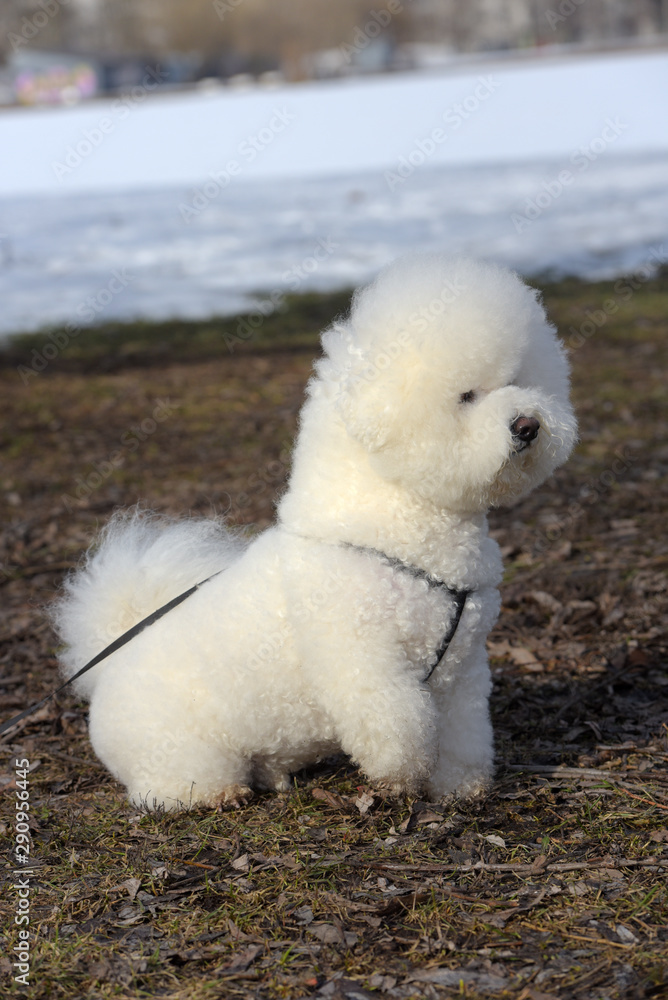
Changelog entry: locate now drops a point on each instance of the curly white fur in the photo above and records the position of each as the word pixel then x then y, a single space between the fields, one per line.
pixel 308 642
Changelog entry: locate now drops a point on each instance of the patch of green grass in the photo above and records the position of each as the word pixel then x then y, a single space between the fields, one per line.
pixel 295 325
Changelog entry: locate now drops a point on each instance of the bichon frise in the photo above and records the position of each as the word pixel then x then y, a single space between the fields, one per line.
pixel 443 394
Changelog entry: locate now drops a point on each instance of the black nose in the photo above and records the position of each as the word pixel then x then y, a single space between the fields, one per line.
pixel 525 429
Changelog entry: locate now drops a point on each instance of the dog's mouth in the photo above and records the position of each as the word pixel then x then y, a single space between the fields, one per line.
pixel 524 431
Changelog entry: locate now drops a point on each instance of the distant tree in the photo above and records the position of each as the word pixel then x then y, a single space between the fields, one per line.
pixel 265 33
pixel 27 23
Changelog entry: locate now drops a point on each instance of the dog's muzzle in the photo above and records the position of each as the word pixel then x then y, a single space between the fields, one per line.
pixel 524 431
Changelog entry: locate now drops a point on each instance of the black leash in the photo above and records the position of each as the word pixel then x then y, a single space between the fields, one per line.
pixel 111 648
pixel 459 597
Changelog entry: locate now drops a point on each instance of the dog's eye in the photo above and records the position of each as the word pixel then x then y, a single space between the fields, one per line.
pixel 467 397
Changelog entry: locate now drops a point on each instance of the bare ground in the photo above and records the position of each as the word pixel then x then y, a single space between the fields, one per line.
pixel 553 886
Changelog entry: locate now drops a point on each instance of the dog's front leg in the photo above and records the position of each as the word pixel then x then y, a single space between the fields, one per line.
pixel 465 739
pixel 382 715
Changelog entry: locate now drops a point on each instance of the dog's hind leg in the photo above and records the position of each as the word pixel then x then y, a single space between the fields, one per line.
pixel 172 769
pixel 213 781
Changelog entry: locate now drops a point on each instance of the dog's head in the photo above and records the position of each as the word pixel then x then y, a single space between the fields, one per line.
pixel 449 375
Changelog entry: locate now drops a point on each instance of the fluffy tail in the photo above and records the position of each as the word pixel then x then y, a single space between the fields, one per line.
pixel 140 562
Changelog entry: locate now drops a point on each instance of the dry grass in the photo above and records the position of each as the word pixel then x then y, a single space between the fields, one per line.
pixel 554 886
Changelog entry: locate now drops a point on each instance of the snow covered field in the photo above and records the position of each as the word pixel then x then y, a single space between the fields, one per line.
pixel 186 204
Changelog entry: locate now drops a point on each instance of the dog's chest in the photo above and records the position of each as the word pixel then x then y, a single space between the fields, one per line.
pixel 420 616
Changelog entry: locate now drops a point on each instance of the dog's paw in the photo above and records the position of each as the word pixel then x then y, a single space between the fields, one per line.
pixel 397 789
pixel 234 797
pixel 270 779
pixel 398 767
pixel 470 789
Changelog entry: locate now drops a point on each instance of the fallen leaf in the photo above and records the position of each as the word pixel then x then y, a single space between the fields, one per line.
pixel 421 813
pixel 329 934
pixel 128 915
pixel 455 977
pixel 532 994
pixel 625 935
pixel 364 802
pixel 524 657
pixel 132 885
pixel 545 600
pixel 344 989
pixel 304 914
pixel 242 960
pixel 382 982
pixel 335 801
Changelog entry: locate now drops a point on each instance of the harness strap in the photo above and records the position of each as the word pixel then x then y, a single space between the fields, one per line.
pixel 108 650
pixel 459 597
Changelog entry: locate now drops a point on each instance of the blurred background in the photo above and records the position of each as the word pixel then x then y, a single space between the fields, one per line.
pixel 188 158
pixel 109 42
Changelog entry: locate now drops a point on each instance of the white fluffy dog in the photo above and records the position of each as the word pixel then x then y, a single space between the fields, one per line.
pixel 444 393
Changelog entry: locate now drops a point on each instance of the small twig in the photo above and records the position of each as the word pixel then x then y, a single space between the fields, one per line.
pixel 69 759
pixel 194 864
pixel 560 771
pixel 579 937
pixel 536 868
pixel 476 866
pixel 648 802
pixel 571 866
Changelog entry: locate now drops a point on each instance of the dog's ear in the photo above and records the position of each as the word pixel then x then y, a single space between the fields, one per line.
pixel 366 412
pixel 371 383
pixel 372 402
